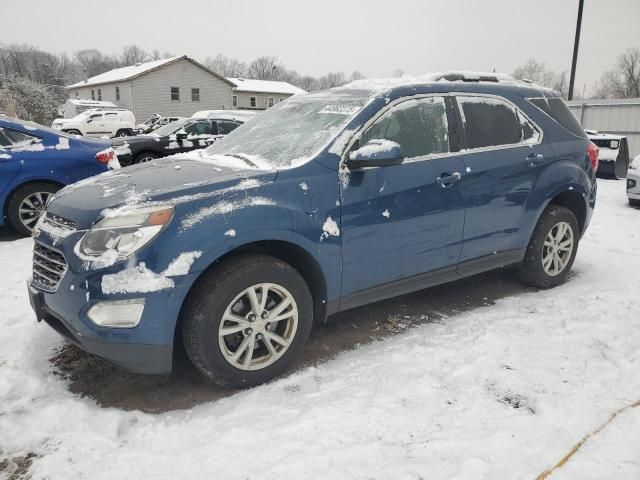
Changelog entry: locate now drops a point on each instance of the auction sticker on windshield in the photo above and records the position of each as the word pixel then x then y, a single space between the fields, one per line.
pixel 340 109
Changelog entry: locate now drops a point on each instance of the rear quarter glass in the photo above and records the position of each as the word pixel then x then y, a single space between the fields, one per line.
pixel 556 109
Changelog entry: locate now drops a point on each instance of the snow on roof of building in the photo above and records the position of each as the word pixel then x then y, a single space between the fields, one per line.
pixel 265 86
pixel 124 73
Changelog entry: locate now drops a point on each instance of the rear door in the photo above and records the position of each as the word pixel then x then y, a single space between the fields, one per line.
pixel 400 221
pixel 503 156
pixel 9 163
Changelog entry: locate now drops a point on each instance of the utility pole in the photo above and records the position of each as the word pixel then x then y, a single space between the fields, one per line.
pixel 576 44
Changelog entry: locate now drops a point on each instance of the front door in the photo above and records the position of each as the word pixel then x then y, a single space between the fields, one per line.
pixel 399 221
pixel 96 126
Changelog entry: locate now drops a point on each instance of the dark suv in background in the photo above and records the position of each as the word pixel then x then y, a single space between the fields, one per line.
pixel 325 202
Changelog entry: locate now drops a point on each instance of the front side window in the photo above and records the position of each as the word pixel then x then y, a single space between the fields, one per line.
pixel 252 102
pixel 195 94
pixel 489 122
pixel 226 126
pixel 175 94
pixel 95 118
pixel 419 126
pixel 202 127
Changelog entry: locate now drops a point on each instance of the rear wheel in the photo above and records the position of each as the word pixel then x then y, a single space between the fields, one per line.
pixel 28 204
pixel 73 132
pixel 247 321
pixel 552 248
pixel 123 133
pixel 145 157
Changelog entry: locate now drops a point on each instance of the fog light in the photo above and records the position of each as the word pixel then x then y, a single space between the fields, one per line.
pixel 117 313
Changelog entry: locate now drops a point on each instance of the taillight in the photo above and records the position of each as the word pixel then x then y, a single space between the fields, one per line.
pixel 593 151
pixel 105 156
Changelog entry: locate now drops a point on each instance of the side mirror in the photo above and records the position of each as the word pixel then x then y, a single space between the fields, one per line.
pixel 375 153
pixel 181 135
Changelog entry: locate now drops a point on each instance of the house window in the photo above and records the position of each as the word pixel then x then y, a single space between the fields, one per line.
pixel 99 94
pixel 271 101
pixel 235 100
pixel 117 94
pixel 175 94
pixel 93 95
pixel 252 102
pixel 195 94
pixel 77 95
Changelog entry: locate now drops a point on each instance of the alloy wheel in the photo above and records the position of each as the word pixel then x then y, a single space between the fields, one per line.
pixel 258 326
pixel 32 208
pixel 557 249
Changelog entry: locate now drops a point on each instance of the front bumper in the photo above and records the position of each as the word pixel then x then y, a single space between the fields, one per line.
pixel 133 357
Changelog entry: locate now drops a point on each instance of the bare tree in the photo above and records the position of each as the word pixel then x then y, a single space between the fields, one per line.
pixel 266 68
pixel 356 75
pixel 93 62
pixel 398 72
pixel 308 83
pixel 226 66
pixel 624 80
pixel 132 54
pixel 538 73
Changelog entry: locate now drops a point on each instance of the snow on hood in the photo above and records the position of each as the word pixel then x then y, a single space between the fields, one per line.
pixel 171 180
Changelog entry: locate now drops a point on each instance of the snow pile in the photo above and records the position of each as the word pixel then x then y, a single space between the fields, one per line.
pixel 182 264
pixel 124 149
pixel 303 186
pixel 230 233
pixel 63 144
pixel 5 155
pixel 330 229
pixel 374 147
pixel 386 214
pixel 498 392
pixel 138 279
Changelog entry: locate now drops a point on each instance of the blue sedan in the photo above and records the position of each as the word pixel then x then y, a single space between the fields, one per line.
pixel 36 162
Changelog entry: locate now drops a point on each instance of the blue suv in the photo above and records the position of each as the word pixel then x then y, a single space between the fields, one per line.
pixel 36 161
pixel 325 202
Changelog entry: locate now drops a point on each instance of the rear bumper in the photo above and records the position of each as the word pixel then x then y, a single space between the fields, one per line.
pixel 133 357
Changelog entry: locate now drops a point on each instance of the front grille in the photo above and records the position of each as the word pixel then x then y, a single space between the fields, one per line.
pixel 58 222
pixel 49 266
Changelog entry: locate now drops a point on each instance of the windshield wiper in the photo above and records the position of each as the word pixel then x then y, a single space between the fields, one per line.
pixel 243 158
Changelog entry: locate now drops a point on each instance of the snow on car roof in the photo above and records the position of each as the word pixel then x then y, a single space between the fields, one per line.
pixel 241 115
pixel 124 73
pixel 379 84
pixel 603 136
pixel 265 86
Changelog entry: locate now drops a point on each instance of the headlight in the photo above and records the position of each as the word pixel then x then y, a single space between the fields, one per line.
pixel 125 233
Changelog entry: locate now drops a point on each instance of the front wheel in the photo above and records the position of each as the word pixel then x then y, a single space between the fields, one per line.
pixel 246 321
pixel 123 133
pixel 552 248
pixel 145 157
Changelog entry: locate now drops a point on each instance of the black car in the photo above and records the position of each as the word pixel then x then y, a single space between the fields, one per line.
pixel 176 137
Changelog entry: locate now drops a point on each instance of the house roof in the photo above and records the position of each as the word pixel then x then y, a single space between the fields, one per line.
pixel 265 86
pixel 133 71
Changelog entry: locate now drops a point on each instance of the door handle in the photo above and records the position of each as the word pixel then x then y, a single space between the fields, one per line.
pixel 534 159
pixel 446 180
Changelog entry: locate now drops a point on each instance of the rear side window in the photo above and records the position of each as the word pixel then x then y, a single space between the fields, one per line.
pixel 418 126
pixel 489 122
pixel 556 109
pixel 226 126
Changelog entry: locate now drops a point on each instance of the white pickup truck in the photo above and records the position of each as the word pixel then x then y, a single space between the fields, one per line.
pixel 98 123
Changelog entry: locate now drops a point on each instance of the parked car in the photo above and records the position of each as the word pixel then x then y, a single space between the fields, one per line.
pixel 633 183
pixel 35 162
pixel 176 137
pixel 98 123
pixel 614 154
pixel 153 123
pixel 323 203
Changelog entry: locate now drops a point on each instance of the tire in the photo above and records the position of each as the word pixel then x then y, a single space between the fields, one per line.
pixel 73 132
pixel 145 157
pixel 123 133
pixel 27 204
pixel 634 203
pixel 217 292
pixel 535 269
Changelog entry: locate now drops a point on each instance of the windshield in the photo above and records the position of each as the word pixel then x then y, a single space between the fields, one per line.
pixel 290 133
pixel 170 128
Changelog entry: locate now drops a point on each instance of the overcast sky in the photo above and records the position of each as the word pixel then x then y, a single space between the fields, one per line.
pixel 318 36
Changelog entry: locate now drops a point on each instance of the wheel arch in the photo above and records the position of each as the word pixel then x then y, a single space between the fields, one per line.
pixel 573 201
pixel 286 251
pixel 15 188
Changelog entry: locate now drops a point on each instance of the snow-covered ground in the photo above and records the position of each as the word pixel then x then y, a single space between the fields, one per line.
pixel 502 391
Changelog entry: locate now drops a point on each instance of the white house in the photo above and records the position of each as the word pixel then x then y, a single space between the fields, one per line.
pixel 178 86
pixel 171 86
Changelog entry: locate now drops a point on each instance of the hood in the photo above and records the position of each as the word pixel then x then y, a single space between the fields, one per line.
pixel 171 180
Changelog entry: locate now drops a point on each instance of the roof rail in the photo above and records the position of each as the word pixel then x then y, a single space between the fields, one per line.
pixel 468 77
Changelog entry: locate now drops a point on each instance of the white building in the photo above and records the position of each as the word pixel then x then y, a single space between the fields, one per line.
pixel 261 94
pixel 178 86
